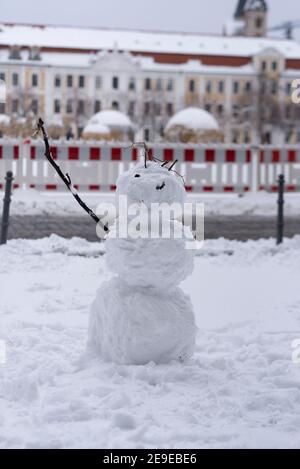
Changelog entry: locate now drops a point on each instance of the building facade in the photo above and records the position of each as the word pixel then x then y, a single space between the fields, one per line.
pixel 67 74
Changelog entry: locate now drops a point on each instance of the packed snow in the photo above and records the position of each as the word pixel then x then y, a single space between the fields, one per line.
pixel 241 388
pixel 142 315
pixel 138 325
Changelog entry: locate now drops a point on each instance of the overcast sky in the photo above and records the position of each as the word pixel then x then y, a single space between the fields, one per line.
pixel 205 16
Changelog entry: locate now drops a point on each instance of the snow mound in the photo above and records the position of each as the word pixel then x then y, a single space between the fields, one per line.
pixel 194 119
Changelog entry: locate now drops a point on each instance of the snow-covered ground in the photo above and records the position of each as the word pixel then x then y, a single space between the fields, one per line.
pixel 241 388
pixel 31 202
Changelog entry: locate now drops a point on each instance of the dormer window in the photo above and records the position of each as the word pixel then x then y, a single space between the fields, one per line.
pixel 259 22
pixel 34 53
pixel 15 53
pixel 274 66
pixel 264 65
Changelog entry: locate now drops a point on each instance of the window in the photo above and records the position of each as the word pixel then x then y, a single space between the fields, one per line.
pixel 267 138
pixel 35 106
pixel 235 136
pixel 2 76
pixel 159 84
pixel 157 109
pixel 148 84
pixel 98 82
pixel 170 85
pixel 131 85
pixel 236 87
pixel 115 83
pixel 131 108
pixel 235 111
pixel 146 108
pixel 288 112
pixel 248 86
pixel 15 79
pixel 221 86
pixel 247 114
pixel 220 109
pixel 264 65
pixel 288 89
pixel 208 87
pixel 208 107
pixel 57 106
pixel 115 105
pixel 146 135
pixel 97 106
pixel 15 53
pixel 246 136
pixel 69 81
pixel 192 86
pixel 287 136
pixel 15 106
pixel 2 108
pixel 258 22
pixel 80 106
pixel 81 81
pixel 170 109
pixel 34 54
pixel 274 87
pixel 297 113
pixel 57 81
pixel 274 66
pixel 69 106
pixel 34 79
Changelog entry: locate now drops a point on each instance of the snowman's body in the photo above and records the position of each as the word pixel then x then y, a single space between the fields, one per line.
pixel 141 314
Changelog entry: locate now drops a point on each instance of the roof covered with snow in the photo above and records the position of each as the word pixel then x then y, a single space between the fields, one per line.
pixel 104 121
pixel 141 41
pixel 193 118
pixel 96 128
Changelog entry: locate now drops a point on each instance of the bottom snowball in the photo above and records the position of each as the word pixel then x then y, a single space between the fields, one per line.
pixel 137 326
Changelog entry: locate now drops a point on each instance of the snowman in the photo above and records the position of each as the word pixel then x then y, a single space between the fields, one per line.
pixel 141 315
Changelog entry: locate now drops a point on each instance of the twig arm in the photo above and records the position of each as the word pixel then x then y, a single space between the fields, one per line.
pixel 65 177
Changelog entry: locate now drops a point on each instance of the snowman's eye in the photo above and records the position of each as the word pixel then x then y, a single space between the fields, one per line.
pixel 137 176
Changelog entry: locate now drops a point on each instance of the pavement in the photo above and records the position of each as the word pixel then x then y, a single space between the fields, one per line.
pixel 231 227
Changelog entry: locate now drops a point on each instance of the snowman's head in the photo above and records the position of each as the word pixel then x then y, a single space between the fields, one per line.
pixel 149 183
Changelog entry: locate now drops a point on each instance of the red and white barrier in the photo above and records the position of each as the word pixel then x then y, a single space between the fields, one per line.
pixel 10 155
pixel 209 169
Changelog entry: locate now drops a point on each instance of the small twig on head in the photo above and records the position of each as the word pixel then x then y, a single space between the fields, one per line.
pixel 172 165
pixel 146 150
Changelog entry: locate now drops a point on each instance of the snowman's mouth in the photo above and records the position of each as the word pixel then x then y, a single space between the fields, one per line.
pixel 159 187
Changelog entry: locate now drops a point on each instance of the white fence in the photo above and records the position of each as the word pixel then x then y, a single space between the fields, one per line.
pixel 216 169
